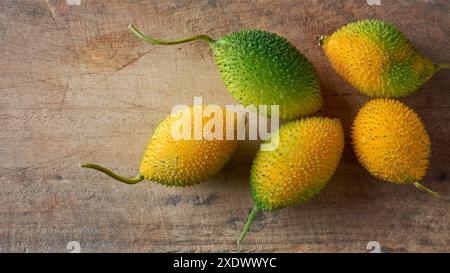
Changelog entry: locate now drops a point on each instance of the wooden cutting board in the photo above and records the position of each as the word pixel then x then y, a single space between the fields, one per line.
pixel 76 86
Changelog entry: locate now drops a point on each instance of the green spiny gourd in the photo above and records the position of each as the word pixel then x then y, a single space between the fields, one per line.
pixel 262 68
pixel 179 162
pixel 377 59
pixel 306 157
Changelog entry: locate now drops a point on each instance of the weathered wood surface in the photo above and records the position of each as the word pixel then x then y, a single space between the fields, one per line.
pixel 76 86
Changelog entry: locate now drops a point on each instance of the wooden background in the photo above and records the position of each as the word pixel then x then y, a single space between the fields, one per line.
pixel 76 86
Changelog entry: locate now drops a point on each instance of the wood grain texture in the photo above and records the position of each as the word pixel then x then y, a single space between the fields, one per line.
pixel 76 86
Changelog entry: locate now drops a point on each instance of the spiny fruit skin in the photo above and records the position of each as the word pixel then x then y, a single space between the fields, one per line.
pixel 308 154
pixel 391 142
pixel 263 68
pixel 377 59
pixel 184 162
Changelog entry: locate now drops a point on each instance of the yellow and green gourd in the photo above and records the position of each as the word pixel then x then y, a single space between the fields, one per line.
pixel 179 162
pixel 262 68
pixel 391 142
pixel 306 157
pixel 377 59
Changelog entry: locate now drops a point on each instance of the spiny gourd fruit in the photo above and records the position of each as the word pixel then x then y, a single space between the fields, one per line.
pixel 377 59
pixel 179 162
pixel 306 157
pixel 390 141
pixel 262 68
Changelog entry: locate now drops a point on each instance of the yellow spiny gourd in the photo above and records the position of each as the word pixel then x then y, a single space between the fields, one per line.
pixel 180 162
pixel 391 142
pixel 377 59
pixel 306 157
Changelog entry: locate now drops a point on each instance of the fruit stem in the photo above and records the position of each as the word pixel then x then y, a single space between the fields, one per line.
pixel 320 40
pixel 251 217
pixel 151 40
pixel 427 190
pixel 126 180
pixel 442 66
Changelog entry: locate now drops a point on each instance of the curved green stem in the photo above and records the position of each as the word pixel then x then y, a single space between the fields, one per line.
pixel 251 217
pixel 132 180
pixel 427 190
pixel 442 66
pixel 151 40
